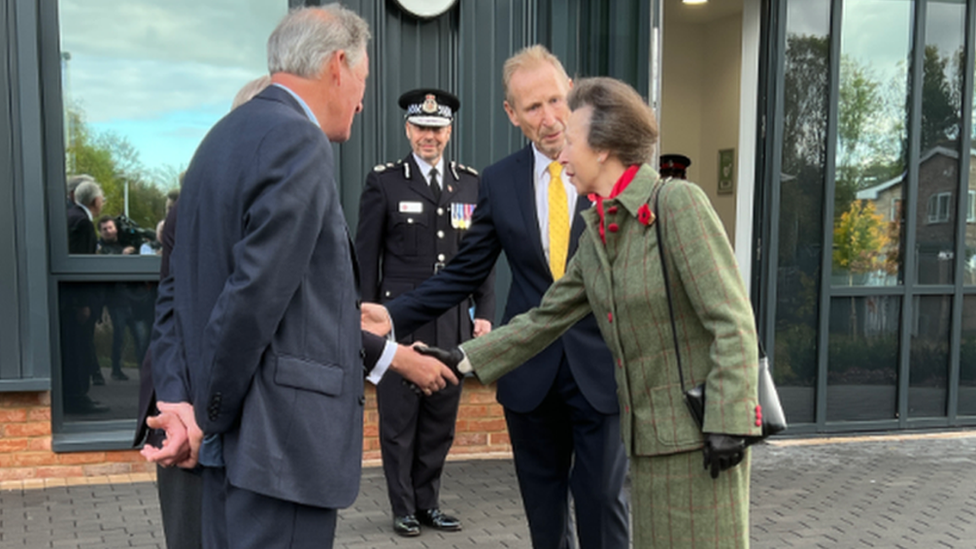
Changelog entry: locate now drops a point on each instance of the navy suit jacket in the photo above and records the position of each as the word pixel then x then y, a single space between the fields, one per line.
pixel 258 323
pixel 506 220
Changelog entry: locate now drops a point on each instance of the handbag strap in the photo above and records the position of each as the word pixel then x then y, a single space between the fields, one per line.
pixel 667 286
pixel 667 279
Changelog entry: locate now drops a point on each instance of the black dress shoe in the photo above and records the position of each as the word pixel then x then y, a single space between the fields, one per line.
pixel 437 519
pixel 120 376
pixel 98 378
pixel 406 526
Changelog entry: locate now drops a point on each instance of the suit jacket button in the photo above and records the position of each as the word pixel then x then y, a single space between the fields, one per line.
pixel 362 400
pixel 359 303
pixel 362 353
pixel 440 211
pixel 613 227
pixel 440 234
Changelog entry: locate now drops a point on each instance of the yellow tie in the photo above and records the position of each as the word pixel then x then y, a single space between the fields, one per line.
pixel 558 222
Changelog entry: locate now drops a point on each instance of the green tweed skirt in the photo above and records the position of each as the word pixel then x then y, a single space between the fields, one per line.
pixel 676 504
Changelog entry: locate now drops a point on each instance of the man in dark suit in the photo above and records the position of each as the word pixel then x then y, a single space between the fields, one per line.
pixel 412 216
pixel 561 406
pixel 81 304
pixel 258 350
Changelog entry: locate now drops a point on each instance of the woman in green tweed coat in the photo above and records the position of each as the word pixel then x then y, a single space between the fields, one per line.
pixel 616 274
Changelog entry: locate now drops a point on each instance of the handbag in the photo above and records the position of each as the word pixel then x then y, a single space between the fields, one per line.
pixel 770 410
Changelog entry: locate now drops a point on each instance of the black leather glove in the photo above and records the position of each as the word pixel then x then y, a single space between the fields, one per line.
pixel 723 452
pixel 450 357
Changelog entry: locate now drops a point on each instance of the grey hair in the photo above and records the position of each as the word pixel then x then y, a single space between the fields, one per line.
pixel 307 37
pixel 76 180
pixel 87 192
pixel 621 121
pixel 249 90
pixel 530 57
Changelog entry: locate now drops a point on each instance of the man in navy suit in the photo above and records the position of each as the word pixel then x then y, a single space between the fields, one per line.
pixel 257 347
pixel 560 407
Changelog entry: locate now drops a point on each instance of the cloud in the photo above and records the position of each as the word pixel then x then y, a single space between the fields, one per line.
pixel 162 73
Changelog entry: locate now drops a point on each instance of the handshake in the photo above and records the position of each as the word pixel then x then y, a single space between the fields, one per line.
pixel 375 319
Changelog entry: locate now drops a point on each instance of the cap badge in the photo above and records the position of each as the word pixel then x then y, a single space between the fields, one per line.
pixel 430 104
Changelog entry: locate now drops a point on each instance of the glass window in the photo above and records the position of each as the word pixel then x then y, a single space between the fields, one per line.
pixel 967 359
pixel 876 40
pixel 803 149
pixel 939 207
pixel 929 363
pixel 105 329
pixel 862 360
pixel 142 82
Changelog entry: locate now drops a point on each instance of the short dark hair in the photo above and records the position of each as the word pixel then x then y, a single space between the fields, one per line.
pixel 621 122
pixel 105 218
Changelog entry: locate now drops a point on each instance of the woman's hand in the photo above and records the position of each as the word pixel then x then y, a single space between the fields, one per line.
pixel 723 452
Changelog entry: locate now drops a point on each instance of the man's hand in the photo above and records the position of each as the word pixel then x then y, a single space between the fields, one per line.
pixel 481 327
pixel 427 373
pixel 723 452
pixel 375 319
pixel 175 447
pixel 183 436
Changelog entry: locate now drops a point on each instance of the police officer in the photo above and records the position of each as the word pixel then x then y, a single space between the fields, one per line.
pixel 412 216
pixel 674 165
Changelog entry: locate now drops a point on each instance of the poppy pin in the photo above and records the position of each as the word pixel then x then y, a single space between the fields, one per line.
pixel 645 215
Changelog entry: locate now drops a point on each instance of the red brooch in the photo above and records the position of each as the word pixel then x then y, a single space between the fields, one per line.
pixel 644 215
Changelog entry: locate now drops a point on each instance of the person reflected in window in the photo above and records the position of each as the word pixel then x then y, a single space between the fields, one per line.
pixel 109 243
pixel 80 305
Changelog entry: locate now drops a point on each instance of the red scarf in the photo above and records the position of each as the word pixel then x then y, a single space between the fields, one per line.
pixel 618 188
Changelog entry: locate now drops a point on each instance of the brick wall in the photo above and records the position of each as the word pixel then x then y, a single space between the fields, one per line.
pixel 25 437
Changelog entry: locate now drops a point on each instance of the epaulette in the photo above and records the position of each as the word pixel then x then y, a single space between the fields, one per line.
pixel 382 167
pixel 468 169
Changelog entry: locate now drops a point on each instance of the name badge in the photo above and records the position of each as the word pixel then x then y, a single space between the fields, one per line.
pixel 412 207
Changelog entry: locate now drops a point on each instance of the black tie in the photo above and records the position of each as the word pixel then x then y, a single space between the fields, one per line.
pixel 435 187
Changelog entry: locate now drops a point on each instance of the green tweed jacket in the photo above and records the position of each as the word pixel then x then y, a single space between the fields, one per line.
pixel 622 284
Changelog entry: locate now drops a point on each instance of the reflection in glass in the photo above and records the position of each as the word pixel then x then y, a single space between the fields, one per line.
pixel 862 362
pixel 871 142
pixel 805 108
pixel 967 359
pixel 929 363
pixel 142 82
pixel 938 171
pixel 105 330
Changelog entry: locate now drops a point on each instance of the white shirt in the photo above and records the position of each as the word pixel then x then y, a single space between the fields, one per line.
pixel 425 169
pixel 542 196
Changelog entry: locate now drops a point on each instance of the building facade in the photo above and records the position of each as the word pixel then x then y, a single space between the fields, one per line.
pixel 829 135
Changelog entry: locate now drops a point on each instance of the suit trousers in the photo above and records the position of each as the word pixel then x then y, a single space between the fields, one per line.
pixel 565 446
pixel 180 501
pixel 235 518
pixel 677 504
pixel 416 433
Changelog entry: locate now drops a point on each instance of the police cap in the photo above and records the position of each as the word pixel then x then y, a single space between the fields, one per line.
pixel 674 165
pixel 429 107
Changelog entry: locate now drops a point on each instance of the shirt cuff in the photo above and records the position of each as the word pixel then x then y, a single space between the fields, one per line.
pixel 465 365
pixel 376 374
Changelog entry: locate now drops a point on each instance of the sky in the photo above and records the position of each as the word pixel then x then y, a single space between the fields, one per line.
pixel 162 73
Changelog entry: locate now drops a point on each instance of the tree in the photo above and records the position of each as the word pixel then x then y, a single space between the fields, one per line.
pixel 114 163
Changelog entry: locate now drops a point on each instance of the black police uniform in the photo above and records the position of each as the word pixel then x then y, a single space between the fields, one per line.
pixel 404 237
